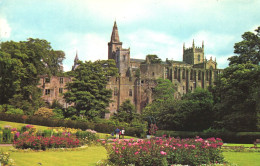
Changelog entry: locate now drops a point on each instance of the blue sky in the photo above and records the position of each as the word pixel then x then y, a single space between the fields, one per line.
pixel 146 26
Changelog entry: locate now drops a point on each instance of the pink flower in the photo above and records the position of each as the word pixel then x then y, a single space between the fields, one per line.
pixel 136 153
pixel 163 153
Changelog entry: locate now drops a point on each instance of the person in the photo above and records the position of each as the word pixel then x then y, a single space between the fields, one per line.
pixel 117 131
pixel 123 133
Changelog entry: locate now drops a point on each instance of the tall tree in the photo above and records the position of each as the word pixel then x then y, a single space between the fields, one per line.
pixel 248 50
pixel 196 110
pixel 236 97
pixel 88 89
pixel 20 65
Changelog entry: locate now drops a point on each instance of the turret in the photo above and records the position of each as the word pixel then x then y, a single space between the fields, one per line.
pixel 114 43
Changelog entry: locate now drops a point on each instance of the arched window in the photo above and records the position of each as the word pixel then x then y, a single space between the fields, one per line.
pixel 199 58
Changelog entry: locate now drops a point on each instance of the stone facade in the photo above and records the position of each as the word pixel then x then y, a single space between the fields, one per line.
pixel 138 76
pixel 53 89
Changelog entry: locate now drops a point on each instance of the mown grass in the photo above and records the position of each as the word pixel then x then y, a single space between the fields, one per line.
pixel 19 125
pixel 243 158
pixel 245 145
pixel 89 156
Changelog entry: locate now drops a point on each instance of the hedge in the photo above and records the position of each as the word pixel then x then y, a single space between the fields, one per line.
pixel 99 127
pixel 228 137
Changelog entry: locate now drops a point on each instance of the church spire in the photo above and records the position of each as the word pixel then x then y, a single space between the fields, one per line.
pixel 114 35
pixel 76 57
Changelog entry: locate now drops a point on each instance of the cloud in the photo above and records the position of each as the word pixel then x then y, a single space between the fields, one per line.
pixel 5 29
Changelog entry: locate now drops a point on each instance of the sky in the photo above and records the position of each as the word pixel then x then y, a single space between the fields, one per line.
pixel 158 27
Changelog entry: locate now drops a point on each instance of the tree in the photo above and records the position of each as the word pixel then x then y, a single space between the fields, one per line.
pixel 163 103
pixel 20 65
pixel 196 110
pixel 88 89
pixel 236 97
pixel 126 112
pixel 153 59
pixel 248 50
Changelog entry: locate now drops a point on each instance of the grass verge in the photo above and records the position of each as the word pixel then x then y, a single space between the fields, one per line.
pixel 243 158
pixel 89 156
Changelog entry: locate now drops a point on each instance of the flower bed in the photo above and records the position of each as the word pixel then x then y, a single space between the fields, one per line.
pixel 162 151
pixel 42 143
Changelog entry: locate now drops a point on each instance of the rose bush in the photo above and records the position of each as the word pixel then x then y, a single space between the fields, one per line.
pixel 42 143
pixel 165 151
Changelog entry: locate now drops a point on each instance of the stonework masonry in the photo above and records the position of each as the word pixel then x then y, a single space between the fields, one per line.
pixel 137 77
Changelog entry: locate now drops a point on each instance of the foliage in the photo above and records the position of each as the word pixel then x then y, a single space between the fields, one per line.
pixel 44 112
pixel 126 112
pixel 196 110
pixel 20 65
pixel 42 143
pixel 163 107
pixel 236 96
pixel 169 151
pixel 153 59
pixel 5 159
pixel 88 90
pixel 248 50
pixel 226 136
pixel 9 109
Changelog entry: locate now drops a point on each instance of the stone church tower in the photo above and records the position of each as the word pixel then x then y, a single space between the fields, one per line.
pixel 116 52
pixel 193 55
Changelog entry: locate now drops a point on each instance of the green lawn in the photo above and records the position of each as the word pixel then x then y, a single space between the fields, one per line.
pixel 19 125
pixel 243 158
pixel 245 145
pixel 87 157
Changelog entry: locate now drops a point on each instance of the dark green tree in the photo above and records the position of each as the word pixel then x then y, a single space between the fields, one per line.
pixel 248 50
pixel 196 110
pixel 20 65
pixel 236 97
pixel 88 89
pixel 126 112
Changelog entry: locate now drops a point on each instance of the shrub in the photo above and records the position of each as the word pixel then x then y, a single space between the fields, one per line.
pixel 162 151
pixel 42 143
pixel 44 112
pixel 5 160
pixel 226 136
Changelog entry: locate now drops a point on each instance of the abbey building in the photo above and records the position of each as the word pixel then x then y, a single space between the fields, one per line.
pixel 137 77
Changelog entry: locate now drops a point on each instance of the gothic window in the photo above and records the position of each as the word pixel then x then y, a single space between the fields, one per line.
pixel 61 80
pixel 199 76
pixel 191 74
pixel 153 73
pixel 183 74
pixel 130 92
pixel 175 73
pixel 124 57
pixel 166 73
pixel 199 58
pixel 47 91
pixel 60 90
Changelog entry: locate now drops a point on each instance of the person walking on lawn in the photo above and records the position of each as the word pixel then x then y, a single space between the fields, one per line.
pixel 117 131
